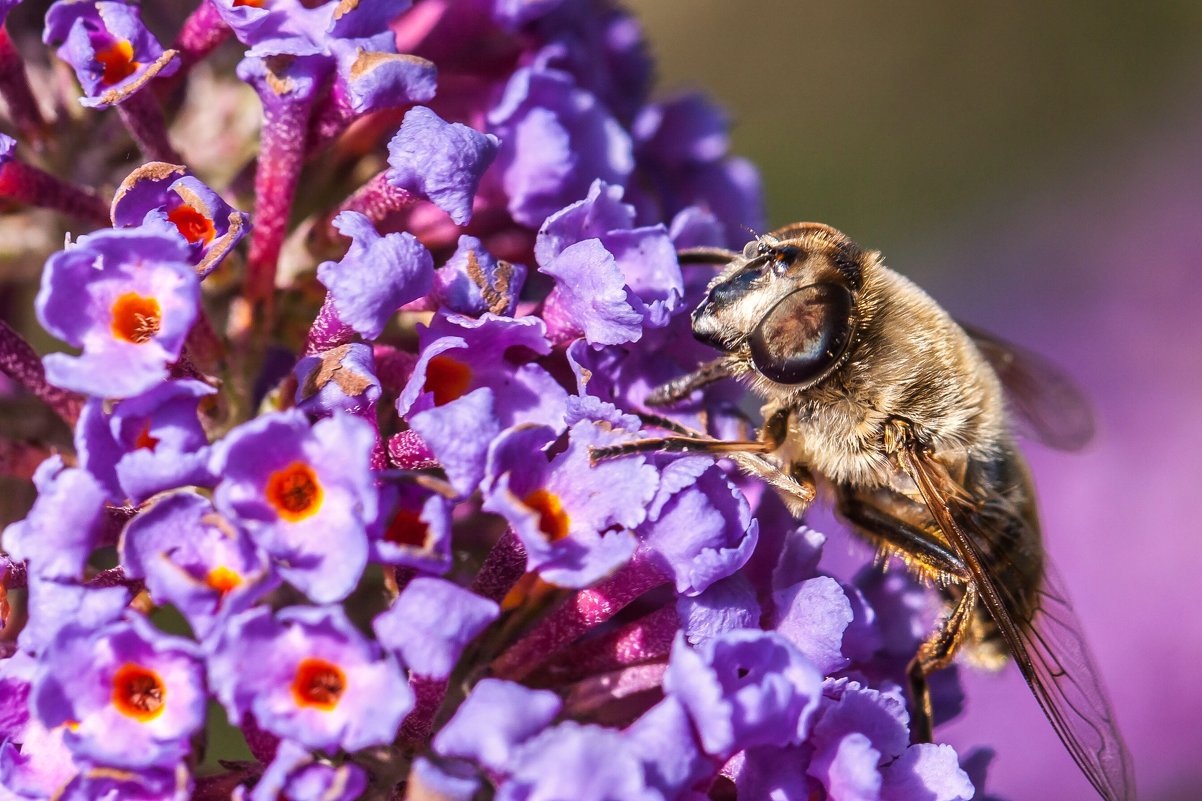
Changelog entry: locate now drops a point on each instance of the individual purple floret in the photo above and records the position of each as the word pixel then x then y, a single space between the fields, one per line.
pixel 194 558
pixel 440 161
pixel 342 379
pixel 416 531
pixel 431 622
pixel 111 51
pixel 63 527
pixel 305 495
pixel 494 720
pixel 643 263
pixel 472 282
pixel 317 680
pixel 452 781
pixel 133 695
pixel 473 378
pixel 377 276
pixel 34 762
pixel 295 774
pixel 128 299
pixel 556 139
pixel 148 443
pixel 744 688
pixel 278 27
pixel 168 197
pixel 574 518
pixel 699 526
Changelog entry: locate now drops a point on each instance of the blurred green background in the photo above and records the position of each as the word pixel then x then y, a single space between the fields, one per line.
pixel 1038 168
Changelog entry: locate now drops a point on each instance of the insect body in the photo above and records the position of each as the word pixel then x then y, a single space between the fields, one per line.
pixel 873 388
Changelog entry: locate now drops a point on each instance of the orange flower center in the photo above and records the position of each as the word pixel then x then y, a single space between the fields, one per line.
pixel 223 579
pixel 136 318
pixel 553 521
pixel 294 492
pixel 138 692
pixel 192 224
pixel 318 683
pixel 251 3
pixel 407 528
pixel 118 62
pixel 447 378
pixel 145 440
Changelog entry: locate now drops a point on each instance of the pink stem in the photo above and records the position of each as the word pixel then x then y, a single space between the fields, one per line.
pixel 14 87
pixel 281 156
pixel 580 613
pixel 605 692
pixel 428 694
pixel 20 362
pixel 376 199
pixel 28 184
pixel 647 639
pixel 504 565
pixel 143 117
pixel 202 32
pixel 328 331
pixel 408 451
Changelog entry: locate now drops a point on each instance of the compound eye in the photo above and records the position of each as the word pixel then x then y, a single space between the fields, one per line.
pixel 804 334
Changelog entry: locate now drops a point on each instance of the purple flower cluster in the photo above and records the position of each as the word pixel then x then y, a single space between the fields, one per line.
pixel 350 503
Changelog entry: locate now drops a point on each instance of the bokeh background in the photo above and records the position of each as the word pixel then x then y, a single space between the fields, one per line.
pixel 1038 169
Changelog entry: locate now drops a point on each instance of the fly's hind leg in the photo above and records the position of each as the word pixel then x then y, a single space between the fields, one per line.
pixel 928 555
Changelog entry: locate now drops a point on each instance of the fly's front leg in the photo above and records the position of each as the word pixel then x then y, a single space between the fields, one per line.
pixel 771 435
pixel 681 387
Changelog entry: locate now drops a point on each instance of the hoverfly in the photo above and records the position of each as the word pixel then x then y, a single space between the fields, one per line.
pixel 874 389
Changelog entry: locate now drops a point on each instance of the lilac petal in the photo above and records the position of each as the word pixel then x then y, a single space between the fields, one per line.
pixel 927 771
pixel 431 622
pixel 813 615
pixel 879 716
pixel 724 606
pixel 664 740
pixel 441 161
pixel 377 79
pixel 54 605
pixel 59 533
pixel 744 688
pixel 777 773
pixel 849 770
pixel 494 720
pixel 377 276
pixel 590 295
pixel 294 774
pixel 459 434
pixel 562 762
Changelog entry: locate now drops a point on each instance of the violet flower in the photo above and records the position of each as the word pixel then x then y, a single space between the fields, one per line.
pixel 353 467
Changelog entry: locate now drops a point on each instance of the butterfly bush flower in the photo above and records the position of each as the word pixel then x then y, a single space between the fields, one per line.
pixel 330 474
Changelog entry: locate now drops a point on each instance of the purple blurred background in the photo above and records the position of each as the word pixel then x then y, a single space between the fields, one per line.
pixel 1039 171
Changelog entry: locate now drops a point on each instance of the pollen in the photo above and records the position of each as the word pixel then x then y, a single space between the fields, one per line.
pixel 407 528
pixel 294 492
pixel 223 579
pixel 195 226
pixel 118 62
pixel 138 692
pixel 318 684
pixel 553 521
pixel 447 378
pixel 136 318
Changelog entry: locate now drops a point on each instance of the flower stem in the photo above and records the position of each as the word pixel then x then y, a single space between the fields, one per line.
pixel 647 639
pixel 503 566
pixel 28 184
pixel 143 116
pixel 587 608
pixel 20 362
pixel 14 87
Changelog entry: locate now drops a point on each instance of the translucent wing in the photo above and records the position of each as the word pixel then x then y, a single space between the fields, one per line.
pixel 1047 404
pixel 1043 637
